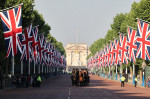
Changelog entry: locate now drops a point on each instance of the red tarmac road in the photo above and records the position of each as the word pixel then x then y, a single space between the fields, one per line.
pixel 60 88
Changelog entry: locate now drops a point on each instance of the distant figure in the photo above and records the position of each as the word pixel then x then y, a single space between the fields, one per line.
pixel 39 81
pixel 122 80
pixel 135 80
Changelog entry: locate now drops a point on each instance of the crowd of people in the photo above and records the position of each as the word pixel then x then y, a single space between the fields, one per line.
pixel 80 77
pixel 22 81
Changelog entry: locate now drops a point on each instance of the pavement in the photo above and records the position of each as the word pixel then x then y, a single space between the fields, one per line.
pixel 60 87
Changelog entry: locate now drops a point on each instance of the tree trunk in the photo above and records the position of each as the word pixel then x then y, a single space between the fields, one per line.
pixel 131 72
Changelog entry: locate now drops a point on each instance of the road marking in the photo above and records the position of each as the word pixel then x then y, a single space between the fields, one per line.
pixel 69 96
pixel 117 97
pixel 107 93
pixel 110 94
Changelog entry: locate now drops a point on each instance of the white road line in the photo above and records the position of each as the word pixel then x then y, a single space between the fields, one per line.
pixel 69 93
pixel 117 97
pixel 110 94
pixel 107 93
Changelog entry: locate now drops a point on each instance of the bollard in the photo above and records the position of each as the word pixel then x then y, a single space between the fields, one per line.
pixel 120 77
pixel 109 76
pixel 133 79
pixel 143 81
pixel 116 76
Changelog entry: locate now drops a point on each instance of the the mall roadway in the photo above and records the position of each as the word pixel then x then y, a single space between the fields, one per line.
pixel 60 88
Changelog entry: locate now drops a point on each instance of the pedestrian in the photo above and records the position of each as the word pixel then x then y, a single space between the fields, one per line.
pixel 31 81
pixel 39 81
pixel 28 81
pixel 148 82
pixel 135 80
pixel 122 80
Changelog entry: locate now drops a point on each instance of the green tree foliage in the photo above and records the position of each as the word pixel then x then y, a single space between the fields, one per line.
pixel 43 26
pixel 57 45
pixel 45 29
pixel 96 46
pixel 117 21
pixel 139 10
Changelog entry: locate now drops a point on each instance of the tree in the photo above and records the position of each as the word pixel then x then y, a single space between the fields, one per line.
pixel 43 26
pixel 117 21
pixel 57 45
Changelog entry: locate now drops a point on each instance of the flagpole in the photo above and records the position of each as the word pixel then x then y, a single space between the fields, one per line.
pixel 45 68
pixel 13 64
pixel 120 71
pixel 109 72
pixel 34 67
pixel 42 68
pixel 11 7
pixel 22 67
pixel 116 72
pixel 39 69
pixel 29 67
pixel 133 73
pixel 126 69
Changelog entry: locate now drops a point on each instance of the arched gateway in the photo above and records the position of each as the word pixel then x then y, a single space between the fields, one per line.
pixel 76 54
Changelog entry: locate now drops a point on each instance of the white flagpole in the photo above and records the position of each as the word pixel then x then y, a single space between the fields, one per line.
pixel 45 68
pixel 22 67
pixel 34 67
pixel 39 69
pixel 126 70
pixel 13 64
pixel 42 68
pixel 11 7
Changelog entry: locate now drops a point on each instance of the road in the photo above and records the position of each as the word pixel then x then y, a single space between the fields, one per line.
pixel 60 88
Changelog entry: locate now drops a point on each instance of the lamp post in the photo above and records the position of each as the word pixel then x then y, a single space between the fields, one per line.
pixel 143 84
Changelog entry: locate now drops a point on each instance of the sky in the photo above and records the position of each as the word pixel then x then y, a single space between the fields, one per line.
pixel 81 21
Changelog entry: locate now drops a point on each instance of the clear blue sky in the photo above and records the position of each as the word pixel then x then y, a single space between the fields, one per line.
pixel 89 19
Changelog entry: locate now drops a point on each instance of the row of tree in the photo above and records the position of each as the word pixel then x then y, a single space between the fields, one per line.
pixel 120 21
pixel 29 16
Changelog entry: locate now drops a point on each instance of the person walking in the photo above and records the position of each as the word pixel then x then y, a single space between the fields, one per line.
pixel 122 80
pixel 135 80
pixel 39 81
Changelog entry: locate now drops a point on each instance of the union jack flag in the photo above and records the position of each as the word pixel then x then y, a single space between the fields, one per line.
pixel 123 49
pixel 45 51
pixel 12 27
pixel 111 53
pixel 103 58
pixel 132 48
pixel 96 59
pixel 143 40
pixel 35 42
pixel 27 39
pixel 40 48
pixel 116 52
pixel 108 54
pixel 99 59
pixel 49 52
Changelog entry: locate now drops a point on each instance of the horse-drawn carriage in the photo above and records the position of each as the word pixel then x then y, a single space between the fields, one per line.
pixel 80 77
